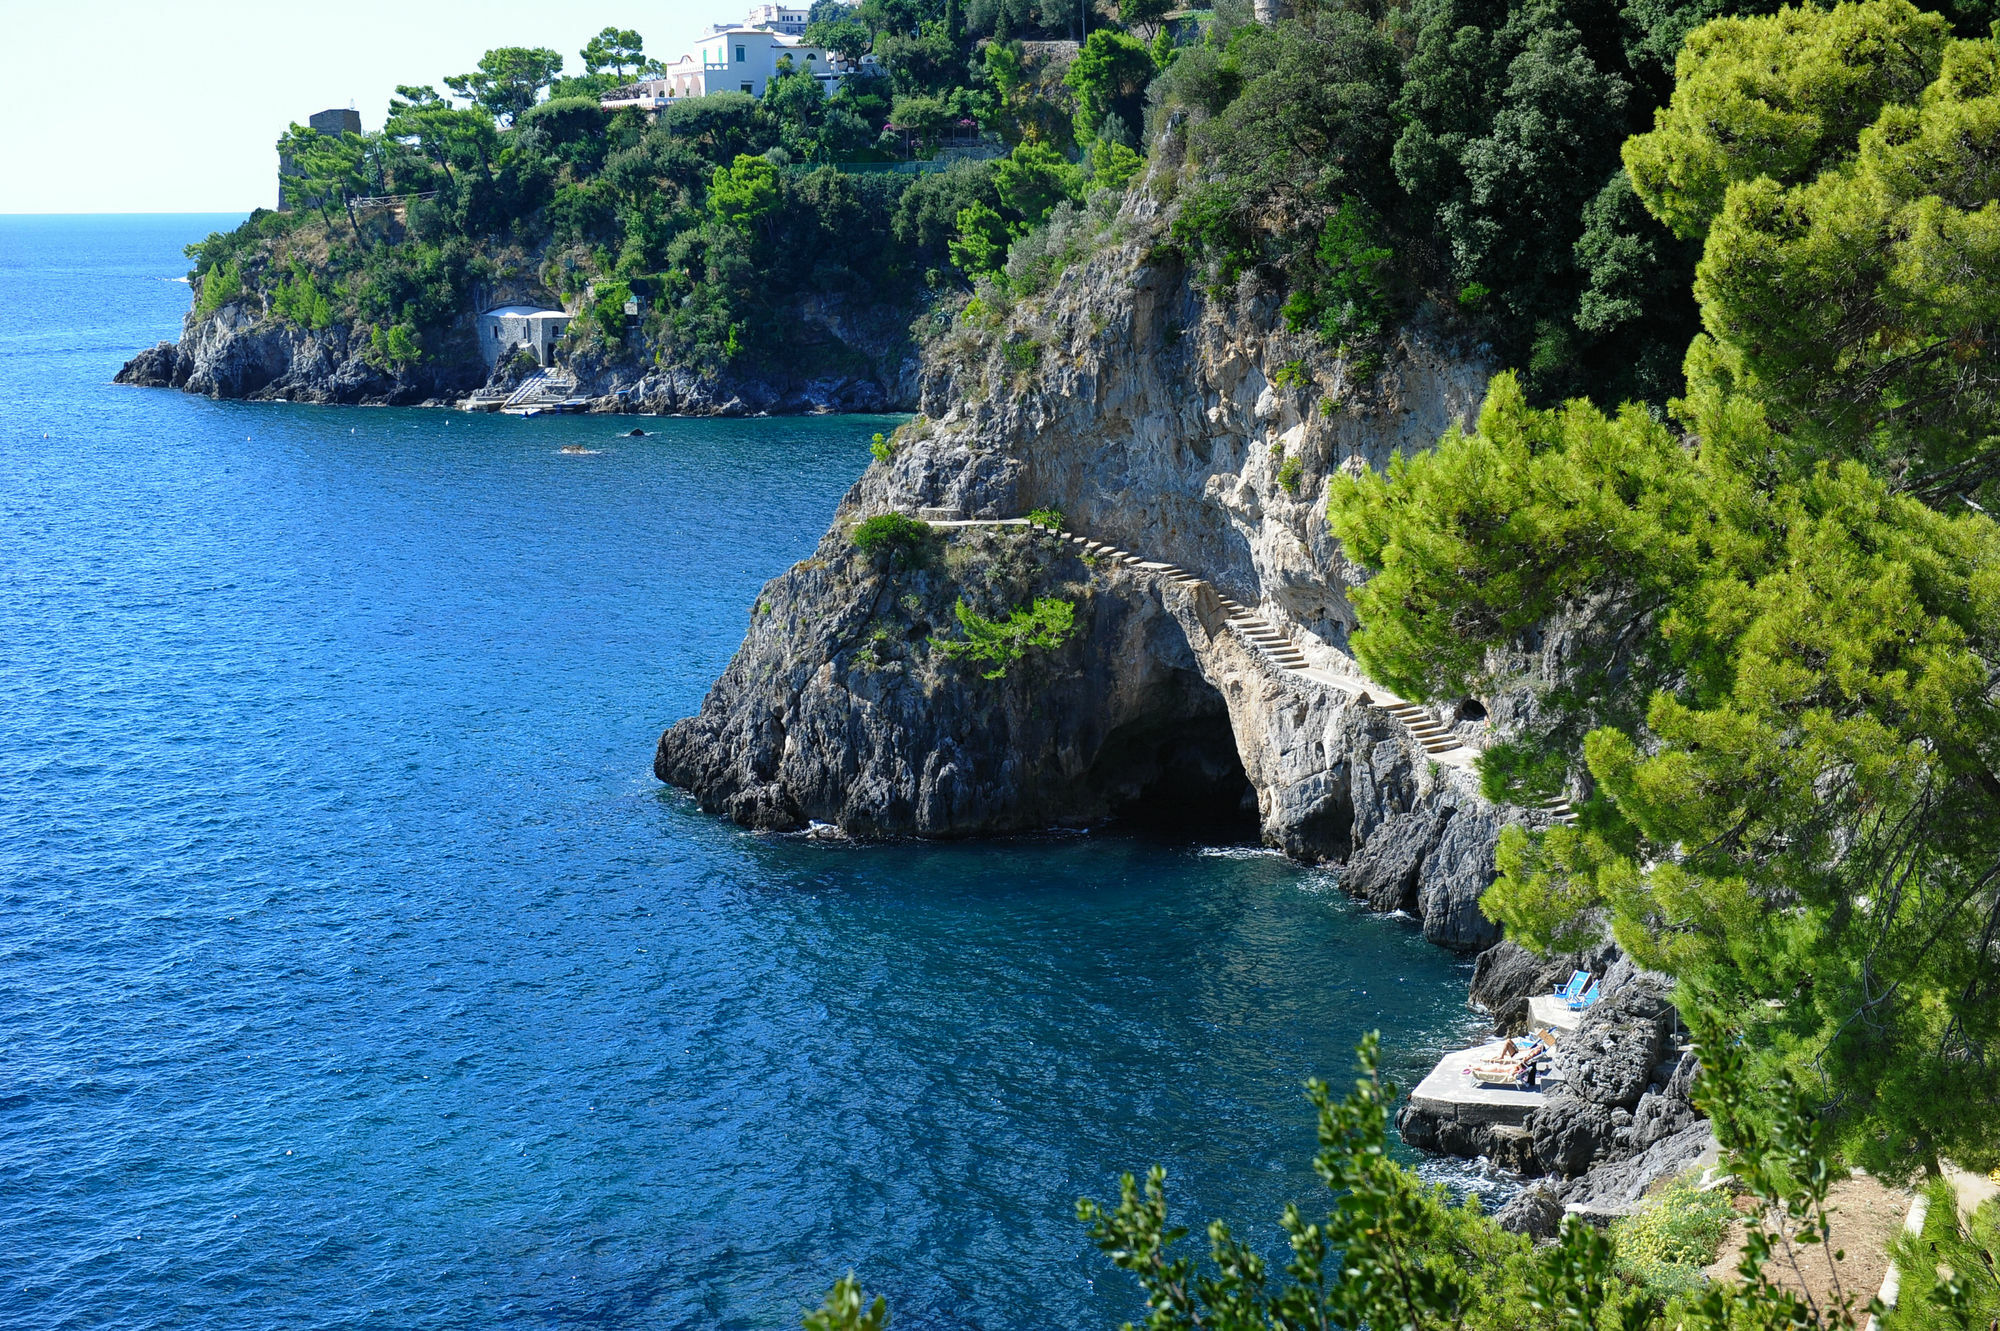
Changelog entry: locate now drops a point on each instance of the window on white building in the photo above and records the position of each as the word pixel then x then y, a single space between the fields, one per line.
pixel 739 55
pixel 747 88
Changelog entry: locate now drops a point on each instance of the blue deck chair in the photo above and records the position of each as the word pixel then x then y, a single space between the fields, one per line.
pixel 1583 1000
pixel 1569 993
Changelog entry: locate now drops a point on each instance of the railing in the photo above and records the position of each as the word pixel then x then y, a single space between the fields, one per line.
pixel 386 200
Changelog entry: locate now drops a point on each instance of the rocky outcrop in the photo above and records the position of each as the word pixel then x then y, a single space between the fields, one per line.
pixel 240 352
pixel 1185 431
pixel 1194 433
pixel 845 361
pixel 842 709
pixel 1618 1113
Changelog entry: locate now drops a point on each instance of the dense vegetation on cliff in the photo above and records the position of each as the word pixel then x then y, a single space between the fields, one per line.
pixel 1779 673
pixel 727 215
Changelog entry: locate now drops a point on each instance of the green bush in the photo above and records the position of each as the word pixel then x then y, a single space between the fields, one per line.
pixel 1289 474
pixel 882 447
pixel 1000 643
pixel 1665 1247
pixel 220 285
pixel 903 540
pixel 1022 353
pixel 302 302
pixel 1052 518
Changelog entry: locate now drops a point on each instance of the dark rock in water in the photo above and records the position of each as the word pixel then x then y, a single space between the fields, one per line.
pixel 635 433
pixel 1384 872
pixel 1512 1149
pixel 155 367
pixel 1569 1133
pixel 1535 1212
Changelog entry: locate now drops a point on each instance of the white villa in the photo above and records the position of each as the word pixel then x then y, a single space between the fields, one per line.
pixel 737 58
pixel 777 18
pixel 510 327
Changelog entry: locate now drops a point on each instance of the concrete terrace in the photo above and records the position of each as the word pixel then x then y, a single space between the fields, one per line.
pixel 1449 1092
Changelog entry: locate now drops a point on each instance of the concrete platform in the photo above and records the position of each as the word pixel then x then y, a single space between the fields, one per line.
pixel 1449 1093
pixel 1548 1010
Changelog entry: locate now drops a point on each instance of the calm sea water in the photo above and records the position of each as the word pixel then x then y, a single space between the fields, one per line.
pixel 354 971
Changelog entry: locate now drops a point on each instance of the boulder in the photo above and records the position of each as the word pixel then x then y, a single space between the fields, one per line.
pixel 1569 1133
pixel 1535 1212
pixel 154 367
pixel 1512 1149
pixel 1610 1058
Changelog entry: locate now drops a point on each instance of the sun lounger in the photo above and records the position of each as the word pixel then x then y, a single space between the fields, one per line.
pixel 1568 993
pixel 1583 1000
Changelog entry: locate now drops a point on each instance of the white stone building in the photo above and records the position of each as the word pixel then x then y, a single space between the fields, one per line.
pixel 503 330
pixel 735 59
pixel 778 18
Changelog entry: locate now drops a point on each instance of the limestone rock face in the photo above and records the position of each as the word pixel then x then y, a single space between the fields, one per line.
pixel 1162 424
pixel 840 709
pixel 238 352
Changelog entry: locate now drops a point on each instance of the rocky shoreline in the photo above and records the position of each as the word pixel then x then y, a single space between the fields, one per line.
pixel 1616 1115
pixel 1163 420
pixel 862 362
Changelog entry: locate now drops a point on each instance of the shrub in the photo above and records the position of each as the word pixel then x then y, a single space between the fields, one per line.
pixel 1289 474
pixel 220 285
pixel 1292 374
pixel 903 540
pixel 1664 1247
pixel 1969 1250
pixel 882 447
pixel 302 302
pixel 395 348
pixel 1022 353
pixel 1052 518
pixel 1045 625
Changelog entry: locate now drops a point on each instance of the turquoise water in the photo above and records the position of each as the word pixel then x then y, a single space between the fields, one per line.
pixel 354 971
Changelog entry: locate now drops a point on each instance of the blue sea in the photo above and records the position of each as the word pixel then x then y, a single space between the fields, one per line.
pixel 355 971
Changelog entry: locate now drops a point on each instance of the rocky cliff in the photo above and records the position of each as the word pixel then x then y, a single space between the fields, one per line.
pixel 847 360
pixel 1189 431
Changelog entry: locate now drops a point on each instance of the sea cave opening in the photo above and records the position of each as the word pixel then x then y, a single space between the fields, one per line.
pixel 1178 776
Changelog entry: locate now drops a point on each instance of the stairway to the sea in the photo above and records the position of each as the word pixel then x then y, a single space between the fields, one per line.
pixel 541 391
pixel 1274 644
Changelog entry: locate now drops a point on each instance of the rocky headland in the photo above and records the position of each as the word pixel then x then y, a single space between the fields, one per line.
pixel 859 360
pixel 1187 442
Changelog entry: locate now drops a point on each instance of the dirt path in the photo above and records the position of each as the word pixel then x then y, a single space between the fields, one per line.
pixel 1866 1217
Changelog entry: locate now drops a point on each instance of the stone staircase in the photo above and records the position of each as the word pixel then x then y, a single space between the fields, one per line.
pixel 540 391
pixel 1270 641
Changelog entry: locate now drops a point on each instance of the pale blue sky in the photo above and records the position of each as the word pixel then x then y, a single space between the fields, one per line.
pixel 173 105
